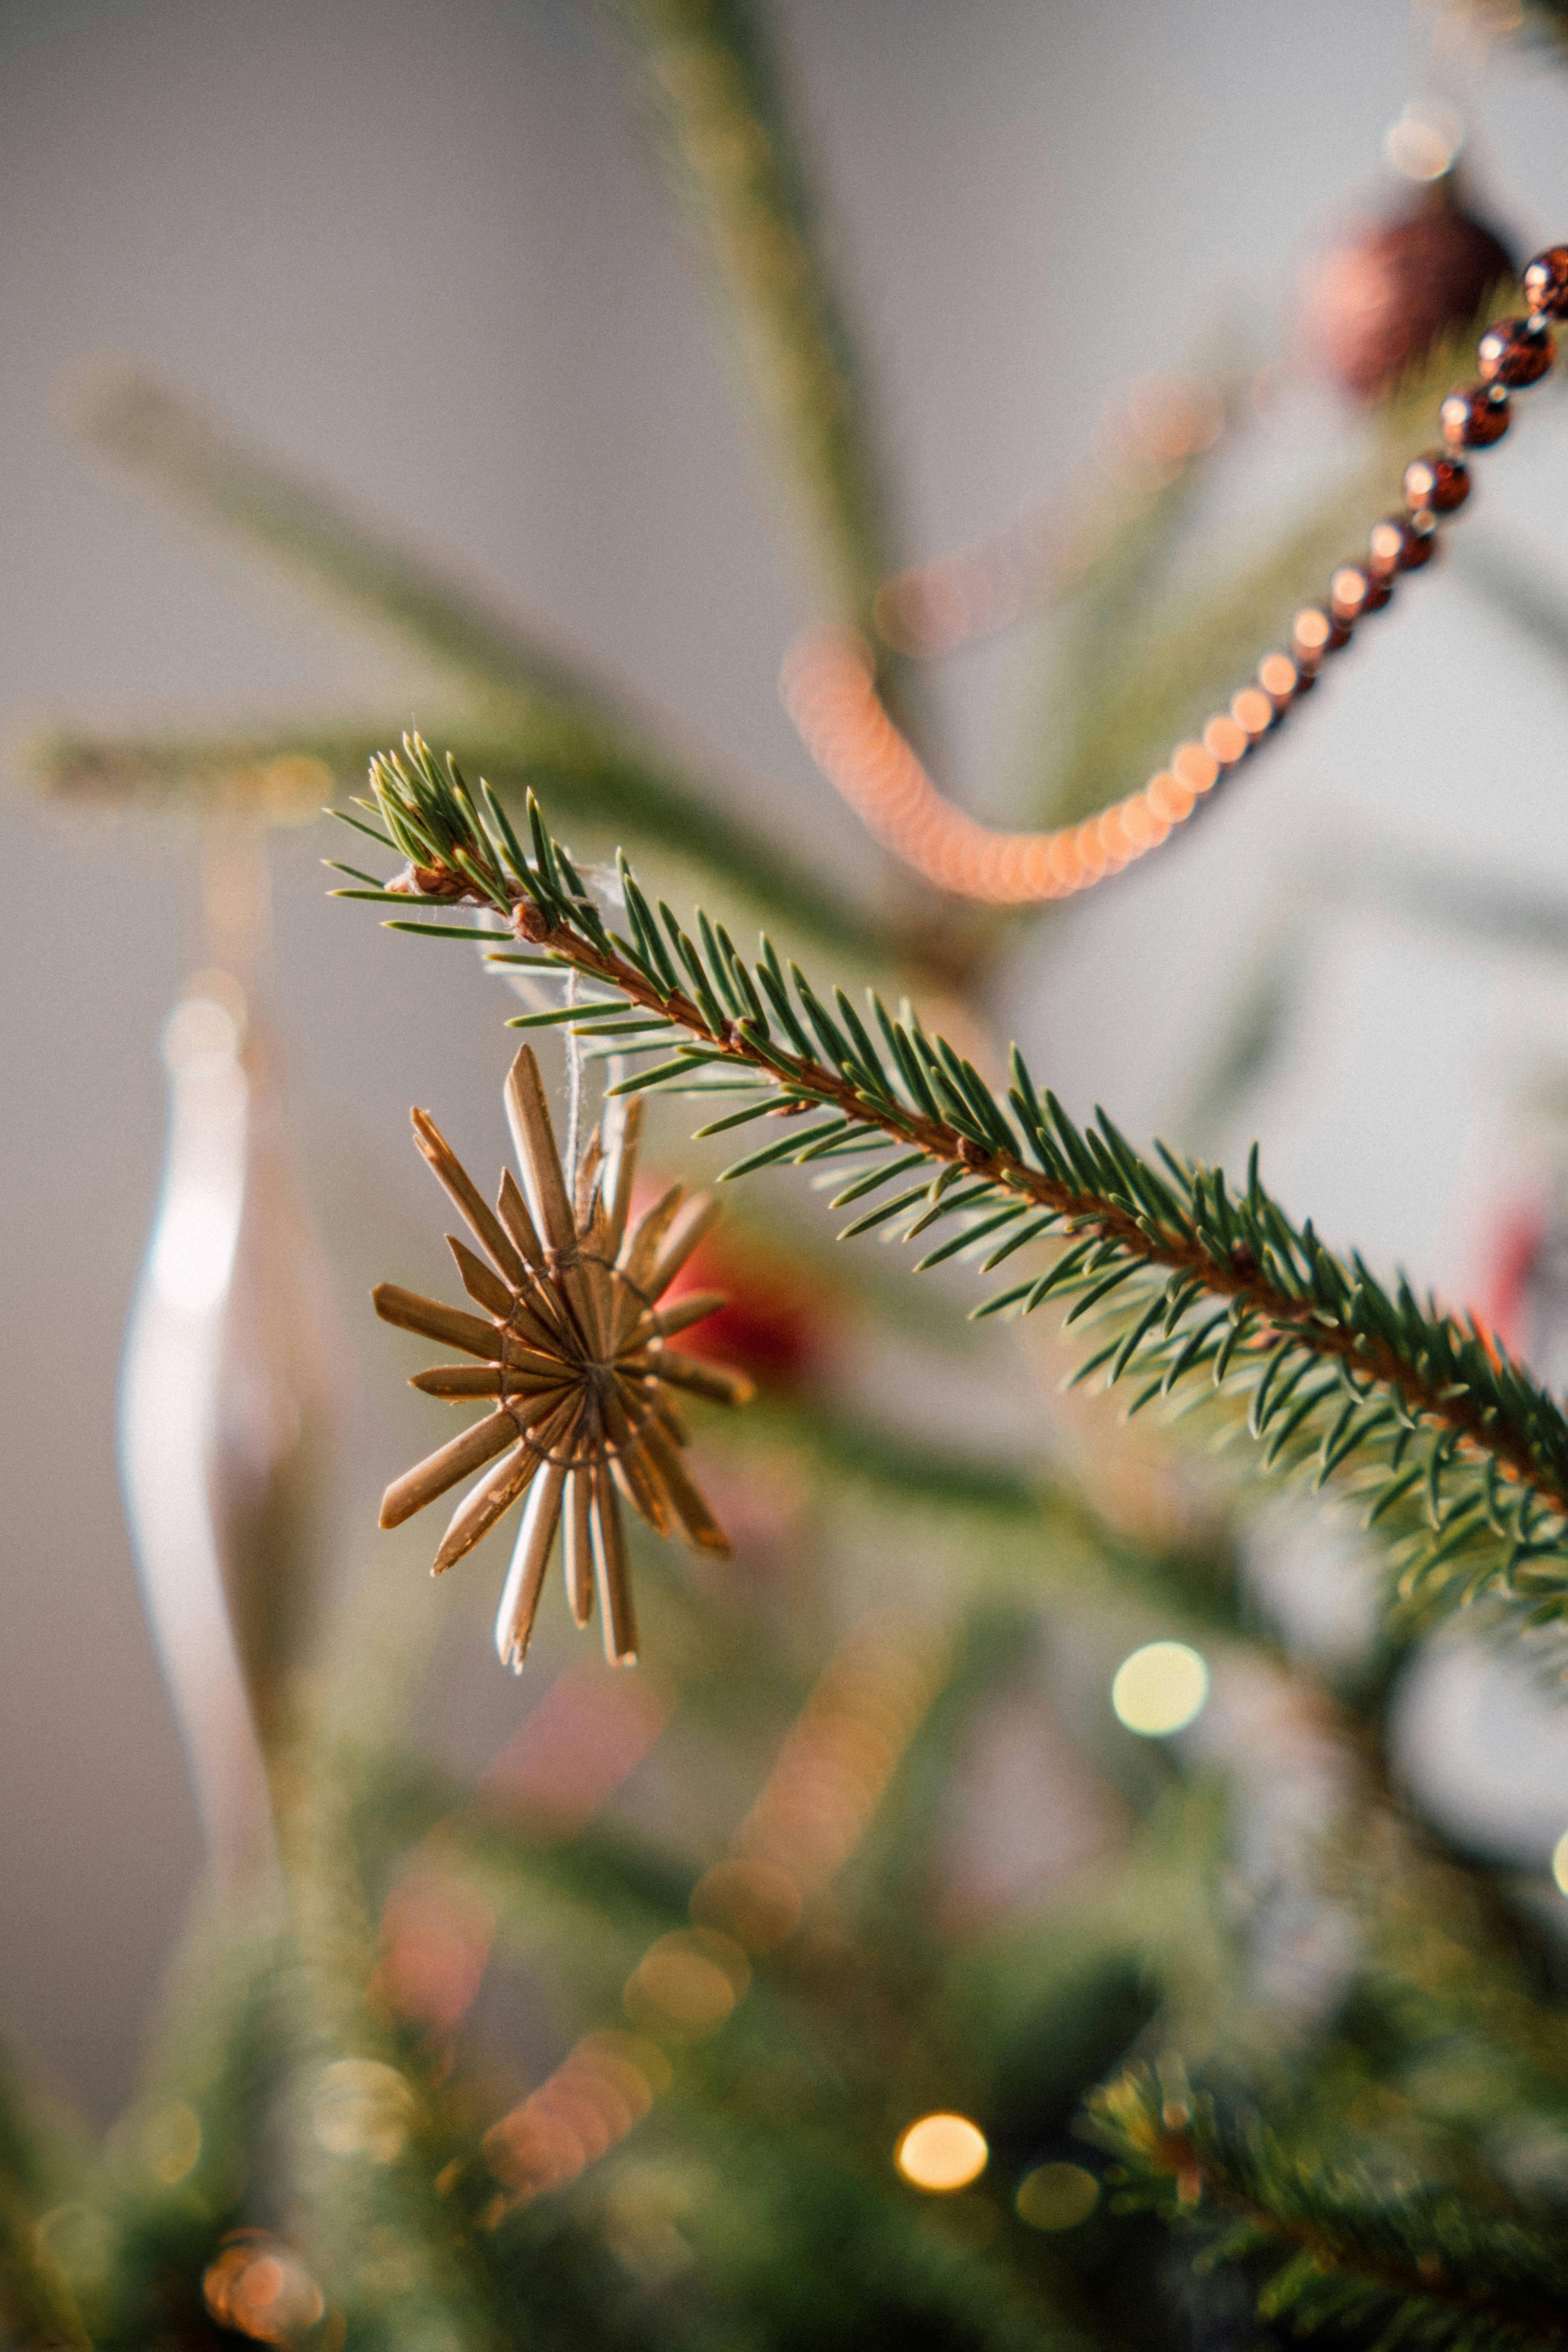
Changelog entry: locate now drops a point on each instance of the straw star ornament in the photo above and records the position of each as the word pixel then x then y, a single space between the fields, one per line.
pixel 573 1346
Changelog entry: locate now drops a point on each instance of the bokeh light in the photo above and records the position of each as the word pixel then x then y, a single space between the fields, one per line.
pixel 1425 141
pixel 1560 1862
pixel 1056 2196
pixel 684 1986
pixel 1160 1689
pixel 258 2287
pixel 602 2088
pixel 756 1904
pixel 363 2108
pixel 941 2153
pixel 172 2141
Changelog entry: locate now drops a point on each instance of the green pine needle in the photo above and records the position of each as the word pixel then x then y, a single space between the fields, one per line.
pixel 1186 1285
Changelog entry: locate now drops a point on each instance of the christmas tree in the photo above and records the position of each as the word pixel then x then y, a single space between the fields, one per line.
pixel 997 1909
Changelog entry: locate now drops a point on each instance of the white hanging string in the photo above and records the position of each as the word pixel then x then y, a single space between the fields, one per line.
pixel 574 1090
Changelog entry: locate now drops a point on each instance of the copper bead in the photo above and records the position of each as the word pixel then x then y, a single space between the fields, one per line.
pixel 1225 739
pixel 1401 543
pixel 1515 352
pixel 1253 711
pixel 1356 589
pixel 1280 679
pixel 1546 283
pixel 1476 417
pixel 1438 480
pixel 1314 633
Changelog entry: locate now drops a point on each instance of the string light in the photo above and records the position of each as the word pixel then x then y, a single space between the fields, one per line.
pixel 941 2153
pixel 1160 1689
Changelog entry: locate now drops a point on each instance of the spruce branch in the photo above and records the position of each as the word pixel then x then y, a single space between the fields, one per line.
pixel 717 93
pixel 1141 681
pixel 282 776
pixel 197 464
pixel 36 2305
pixel 542 716
pixel 1401 2265
pixel 1176 1274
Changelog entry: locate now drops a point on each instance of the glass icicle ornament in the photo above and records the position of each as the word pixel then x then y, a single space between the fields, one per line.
pixel 230 1395
pixel 574 1348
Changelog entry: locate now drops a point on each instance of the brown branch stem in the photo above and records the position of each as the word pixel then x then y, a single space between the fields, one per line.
pixel 1198 2176
pixel 1370 1358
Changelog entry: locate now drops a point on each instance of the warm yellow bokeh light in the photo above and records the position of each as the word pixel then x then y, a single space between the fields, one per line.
pixel 1056 2196
pixel 363 2108
pixel 941 2153
pixel 173 2141
pixel 1560 1862
pixel 1160 1689
pixel 684 1986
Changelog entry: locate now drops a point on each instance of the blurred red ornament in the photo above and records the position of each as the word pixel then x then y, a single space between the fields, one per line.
pixel 1524 1290
pixel 775 1323
pixel 1375 302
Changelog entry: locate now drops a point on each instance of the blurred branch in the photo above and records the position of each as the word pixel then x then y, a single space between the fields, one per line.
pixel 544 717
pixel 1343 2247
pixel 1159 445
pixel 1459 904
pixel 716 91
pixel 284 774
pixel 37 2306
pixel 1520 594
pixel 1152 688
pixel 169 2181
pixel 195 463
pixel 1070 1547
pixel 1150 685
pixel 1459 1450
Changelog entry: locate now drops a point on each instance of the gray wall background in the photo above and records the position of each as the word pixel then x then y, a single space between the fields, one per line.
pixel 420 247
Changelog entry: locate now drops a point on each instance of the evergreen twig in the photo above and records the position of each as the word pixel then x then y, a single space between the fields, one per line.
pixel 1423 2266
pixel 718 94
pixel 1183 1274
pixel 541 714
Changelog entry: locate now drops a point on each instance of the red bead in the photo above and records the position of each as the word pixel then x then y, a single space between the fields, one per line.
pixel 1402 543
pixel 1438 480
pixel 1515 352
pixel 1546 283
pixel 1475 418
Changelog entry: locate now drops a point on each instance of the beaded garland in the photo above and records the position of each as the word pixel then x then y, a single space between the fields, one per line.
pixel 829 679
